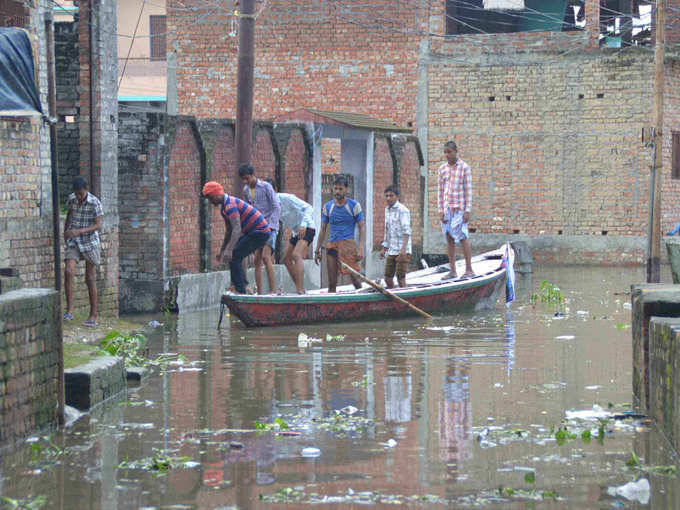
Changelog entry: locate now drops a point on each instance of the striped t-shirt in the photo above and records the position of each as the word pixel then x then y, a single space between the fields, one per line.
pixel 251 219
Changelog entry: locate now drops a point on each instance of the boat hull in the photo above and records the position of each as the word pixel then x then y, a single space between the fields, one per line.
pixel 274 311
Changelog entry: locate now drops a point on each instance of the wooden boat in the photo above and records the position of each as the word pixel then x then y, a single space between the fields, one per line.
pixel 425 289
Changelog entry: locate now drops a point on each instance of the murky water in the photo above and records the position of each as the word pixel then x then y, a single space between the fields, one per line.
pixel 457 412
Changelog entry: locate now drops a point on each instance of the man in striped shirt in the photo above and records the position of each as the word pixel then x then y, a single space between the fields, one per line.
pixel 454 201
pixel 246 231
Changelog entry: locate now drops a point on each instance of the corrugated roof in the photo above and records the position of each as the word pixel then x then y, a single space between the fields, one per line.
pixel 346 119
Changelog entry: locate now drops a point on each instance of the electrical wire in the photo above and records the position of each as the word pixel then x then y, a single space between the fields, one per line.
pixel 132 42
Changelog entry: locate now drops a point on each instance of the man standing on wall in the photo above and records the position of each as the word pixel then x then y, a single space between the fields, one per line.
pixel 454 201
pixel 343 215
pixel 81 232
pixel 397 240
pixel 260 194
pixel 246 230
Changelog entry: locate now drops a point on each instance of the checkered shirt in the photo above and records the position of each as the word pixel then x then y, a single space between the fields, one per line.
pixel 455 187
pixel 82 216
pixel 397 225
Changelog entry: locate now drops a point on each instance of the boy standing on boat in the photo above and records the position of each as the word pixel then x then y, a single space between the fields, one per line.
pixel 260 195
pixel 246 231
pixel 343 215
pixel 397 241
pixel 454 201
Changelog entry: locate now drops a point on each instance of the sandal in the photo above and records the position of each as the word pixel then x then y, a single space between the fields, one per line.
pixel 90 323
pixel 449 276
pixel 68 317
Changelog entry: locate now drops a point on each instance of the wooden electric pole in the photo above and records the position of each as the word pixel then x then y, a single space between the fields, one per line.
pixel 656 175
pixel 244 94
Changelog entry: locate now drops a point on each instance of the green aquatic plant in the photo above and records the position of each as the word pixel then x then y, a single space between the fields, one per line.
pixel 279 424
pixel 551 295
pixel 161 462
pixel 132 348
pixel 634 463
pixel 45 451
pixel 364 382
pixel 23 504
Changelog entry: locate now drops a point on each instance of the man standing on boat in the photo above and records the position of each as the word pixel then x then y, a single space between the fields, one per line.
pixel 397 240
pixel 454 201
pixel 297 215
pixel 343 215
pixel 246 230
pixel 260 194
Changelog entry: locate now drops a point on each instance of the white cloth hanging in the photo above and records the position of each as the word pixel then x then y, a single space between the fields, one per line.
pixel 504 4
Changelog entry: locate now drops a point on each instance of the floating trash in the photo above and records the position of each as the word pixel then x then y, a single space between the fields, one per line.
pixel 310 451
pixel 305 341
pixel 155 324
pixel 390 443
pixel 588 414
pixel 565 337
pixel 633 491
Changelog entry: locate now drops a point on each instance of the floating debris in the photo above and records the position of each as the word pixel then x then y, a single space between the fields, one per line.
pixel 310 451
pixel 633 491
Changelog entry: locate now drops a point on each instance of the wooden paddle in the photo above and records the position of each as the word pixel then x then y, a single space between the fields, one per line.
pixel 385 291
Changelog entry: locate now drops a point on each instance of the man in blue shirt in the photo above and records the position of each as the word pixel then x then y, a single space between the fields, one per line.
pixel 343 215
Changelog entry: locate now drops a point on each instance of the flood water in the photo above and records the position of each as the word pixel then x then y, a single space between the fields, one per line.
pixel 456 412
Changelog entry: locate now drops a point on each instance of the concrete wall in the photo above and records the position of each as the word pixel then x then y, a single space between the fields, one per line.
pixel 664 376
pixel 167 231
pixel 29 326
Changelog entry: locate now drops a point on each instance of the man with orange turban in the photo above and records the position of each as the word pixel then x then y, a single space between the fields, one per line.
pixel 246 231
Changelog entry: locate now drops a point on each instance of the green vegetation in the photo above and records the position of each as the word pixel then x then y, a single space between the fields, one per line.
pixel 133 350
pixel 279 424
pixel 79 354
pixel 551 295
pixel 634 463
pixel 23 504
pixel 160 462
pixel 44 451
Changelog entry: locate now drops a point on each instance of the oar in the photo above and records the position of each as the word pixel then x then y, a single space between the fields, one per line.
pixel 385 291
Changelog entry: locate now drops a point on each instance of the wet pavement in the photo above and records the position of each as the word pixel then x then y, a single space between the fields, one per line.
pixel 456 412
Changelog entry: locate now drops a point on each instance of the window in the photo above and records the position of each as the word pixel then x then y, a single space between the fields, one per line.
pixel 508 16
pixel 157 39
pixel 13 14
pixel 675 172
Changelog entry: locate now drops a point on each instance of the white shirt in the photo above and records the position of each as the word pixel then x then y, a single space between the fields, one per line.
pixel 397 225
pixel 295 213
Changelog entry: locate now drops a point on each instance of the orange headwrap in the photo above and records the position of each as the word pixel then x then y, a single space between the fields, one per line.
pixel 212 188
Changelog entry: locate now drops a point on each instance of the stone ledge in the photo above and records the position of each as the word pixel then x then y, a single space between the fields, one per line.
pixel 94 382
pixel 135 375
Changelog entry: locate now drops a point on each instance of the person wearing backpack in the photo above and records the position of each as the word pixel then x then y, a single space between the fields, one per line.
pixel 341 216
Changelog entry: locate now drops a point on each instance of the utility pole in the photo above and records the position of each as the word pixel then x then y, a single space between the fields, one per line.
pixel 654 235
pixel 52 100
pixel 244 94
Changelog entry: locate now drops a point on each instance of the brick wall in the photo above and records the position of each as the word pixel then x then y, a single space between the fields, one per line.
pixel 296 177
pixel 140 191
pixel 265 156
pixel 29 325
pixel 223 170
pixel 410 185
pixel 350 67
pixel 383 176
pixel 670 195
pixel 67 73
pixel 183 202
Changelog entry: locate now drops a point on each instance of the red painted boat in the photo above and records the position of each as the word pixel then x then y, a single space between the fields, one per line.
pixel 425 289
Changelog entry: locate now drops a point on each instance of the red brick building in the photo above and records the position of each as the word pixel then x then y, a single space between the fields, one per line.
pixel 546 104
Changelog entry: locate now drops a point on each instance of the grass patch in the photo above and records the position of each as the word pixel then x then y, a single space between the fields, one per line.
pixel 78 354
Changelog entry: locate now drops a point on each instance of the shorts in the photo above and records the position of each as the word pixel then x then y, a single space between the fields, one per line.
pixel 346 251
pixel 91 256
pixel 271 240
pixel 455 227
pixel 392 266
pixel 309 236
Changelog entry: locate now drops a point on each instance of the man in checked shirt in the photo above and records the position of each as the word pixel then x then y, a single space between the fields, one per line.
pixel 454 204
pixel 81 232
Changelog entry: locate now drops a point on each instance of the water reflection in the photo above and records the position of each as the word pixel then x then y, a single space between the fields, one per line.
pixel 424 393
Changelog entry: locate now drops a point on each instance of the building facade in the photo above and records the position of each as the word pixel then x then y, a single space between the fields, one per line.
pixel 546 102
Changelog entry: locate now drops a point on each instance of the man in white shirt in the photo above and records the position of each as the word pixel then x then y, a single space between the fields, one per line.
pixel 397 241
pixel 297 215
